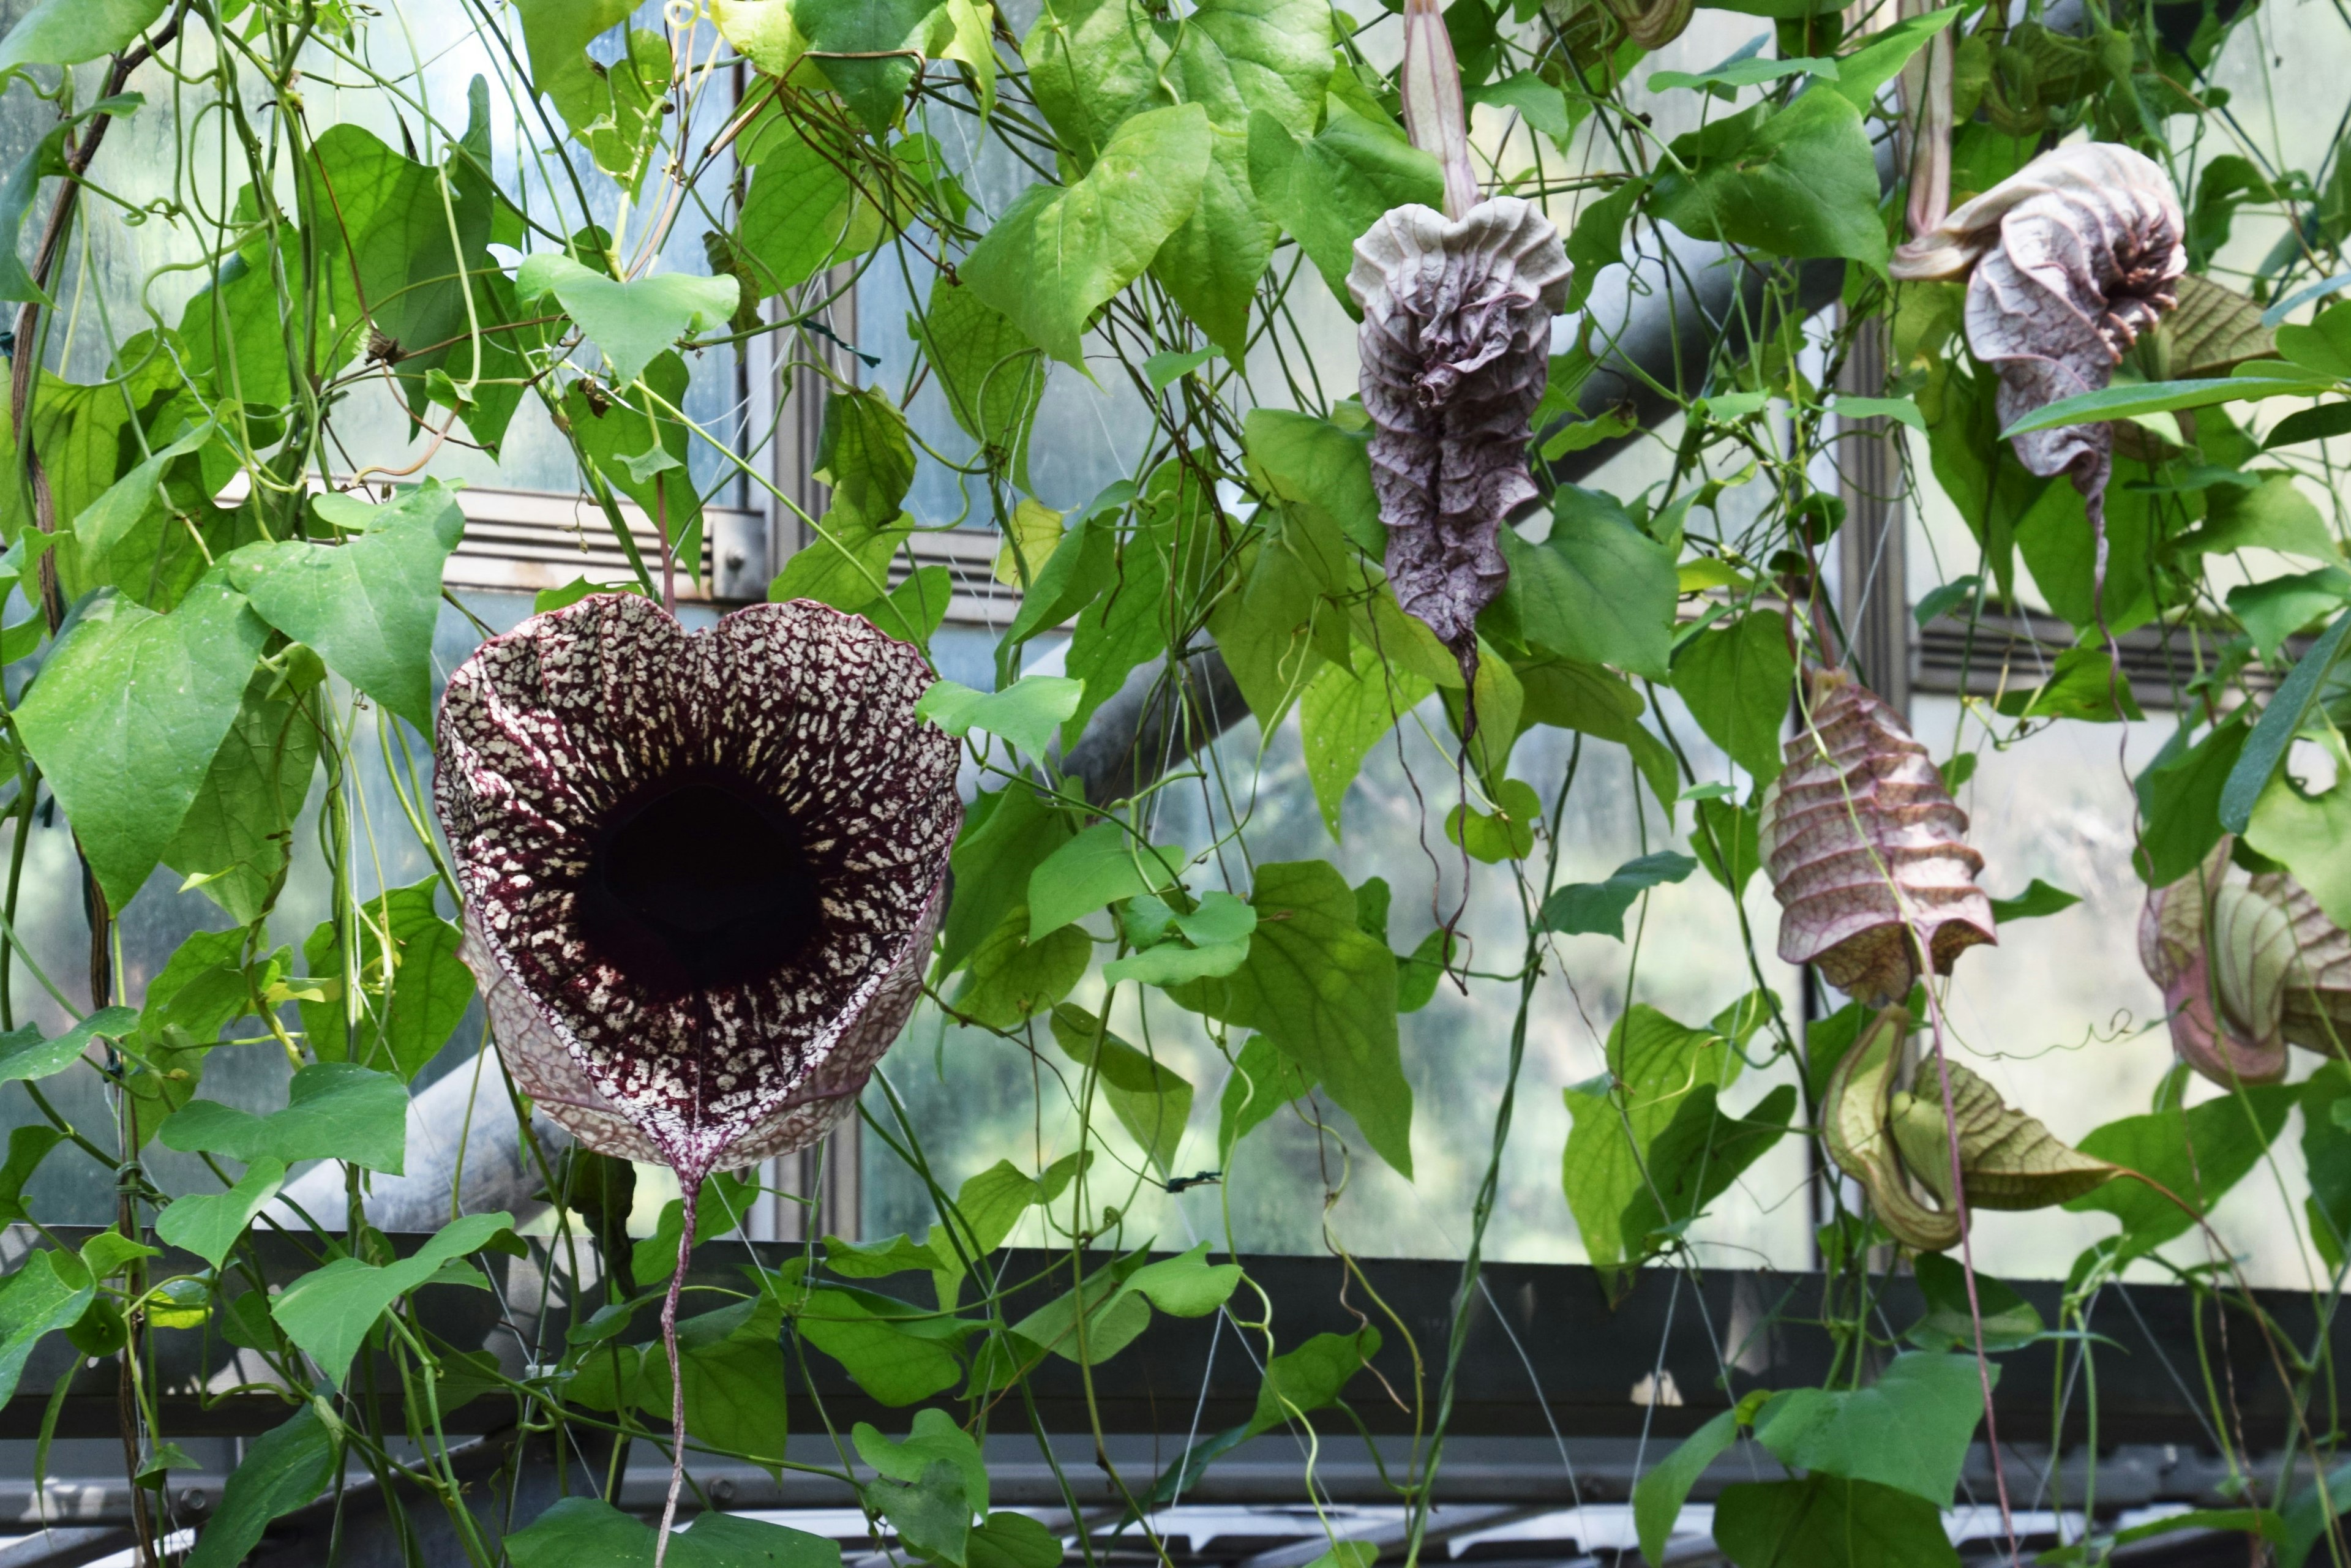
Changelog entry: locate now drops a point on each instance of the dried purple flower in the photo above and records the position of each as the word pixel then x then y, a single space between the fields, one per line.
pixel 1866 850
pixel 2072 257
pixel 701 874
pixel 1455 345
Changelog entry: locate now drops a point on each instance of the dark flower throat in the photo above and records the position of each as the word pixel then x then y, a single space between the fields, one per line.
pixel 697 884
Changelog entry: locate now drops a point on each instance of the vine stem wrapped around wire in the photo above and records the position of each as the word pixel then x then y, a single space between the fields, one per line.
pixel 701 873
pixel 1455 348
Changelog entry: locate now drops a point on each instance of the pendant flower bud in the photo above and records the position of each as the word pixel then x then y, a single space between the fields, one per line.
pixel 1867 852
pixel 2067 261
pixel 2248 966
pixel 701 870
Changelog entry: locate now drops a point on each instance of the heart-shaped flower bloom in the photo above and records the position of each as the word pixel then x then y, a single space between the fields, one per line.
pixel 701 870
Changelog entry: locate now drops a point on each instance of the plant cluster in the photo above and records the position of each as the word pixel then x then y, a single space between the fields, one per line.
pixel 697 880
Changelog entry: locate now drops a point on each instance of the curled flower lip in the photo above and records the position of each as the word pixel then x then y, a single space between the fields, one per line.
pixel 701 870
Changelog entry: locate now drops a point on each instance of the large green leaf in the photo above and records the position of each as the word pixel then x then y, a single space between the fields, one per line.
pixel 1013 977
pixel 1738 683
pixel 1909 1430
pixel 865 453
pixel 1805 186
pixel 2263 378
pixel 733 1363
pixel 127 715
pixel 1327 190
pixel 1311 466
pixel 1059 253
pixel 2308 833
pixel 578 1532
pixel 234 836
pixel 632 322
pixel 412 988
pixel 2326 1155
pixel 992 374
pixel 49 1291
pixel 2180 796
pixel 875 88
pixel 369 605
pixel 1599 589
pixel 1658 1495
pixel 401 235
pixel 334 1110
pixel 1326 994
pixel 68 32
pixel 1653 1065
pixel 1825 1521
pixel 283 1469
pixel 25 1056
pixel 210 1223
pixel 329 1311
pixel 800 215
pixel 1693 1161
pixel 2282 719
pixel 1006 835
pixel 1101 866
pixel 1342 716
pixel 1151 1101
pixel 2197 1154
pixel 894 1353
pixel 1095 65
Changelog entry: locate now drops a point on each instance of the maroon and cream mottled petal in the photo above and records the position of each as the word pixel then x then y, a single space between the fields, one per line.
pixel 550 729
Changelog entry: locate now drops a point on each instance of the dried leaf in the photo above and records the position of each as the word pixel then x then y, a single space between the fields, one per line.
pixel 2007 1158
pixel 1855 1127
pixel 1867 850
pixel 1455 346
pixel 2214 329
pixel 2068 260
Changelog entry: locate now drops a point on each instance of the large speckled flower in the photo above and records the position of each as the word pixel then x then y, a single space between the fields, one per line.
pixel 1867 852
pixel 2067 260
pixel 701 870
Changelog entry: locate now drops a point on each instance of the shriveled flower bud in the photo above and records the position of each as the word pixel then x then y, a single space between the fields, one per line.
pixel 2317 1012
pixel 1867 850
pixel 2248 965
pixel 1455 345
pixel 2068 260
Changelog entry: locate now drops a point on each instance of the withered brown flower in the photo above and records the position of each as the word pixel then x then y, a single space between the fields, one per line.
pixel 1455 346
pixel 701 870
pixel 1867 850
pixel 2068 260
